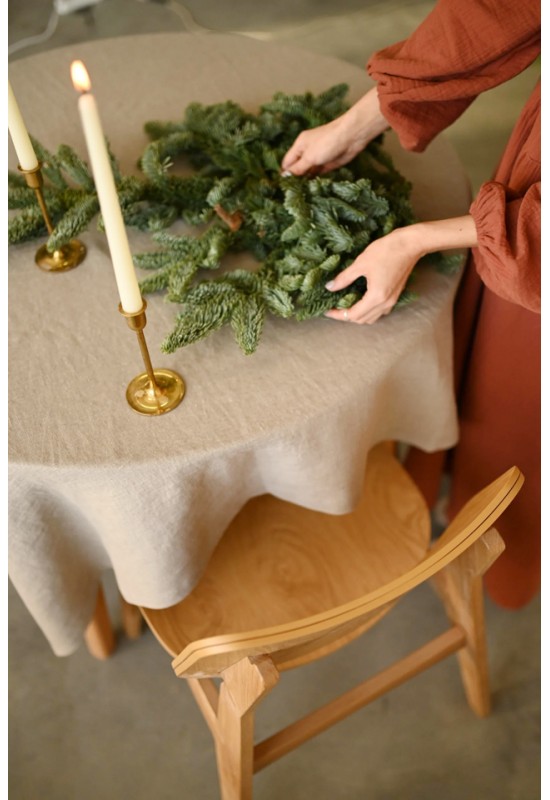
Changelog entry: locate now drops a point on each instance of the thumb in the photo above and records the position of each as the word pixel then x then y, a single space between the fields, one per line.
pixel 291 156
pixel 344 278
pixel 299 165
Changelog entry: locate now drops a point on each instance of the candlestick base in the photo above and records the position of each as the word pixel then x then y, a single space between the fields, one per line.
pixel 69 255
pixel 145 398
pixel 64 258
pixel 155 391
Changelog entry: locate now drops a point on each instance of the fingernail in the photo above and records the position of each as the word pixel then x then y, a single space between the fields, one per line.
pixel 286 173
pixel 329 285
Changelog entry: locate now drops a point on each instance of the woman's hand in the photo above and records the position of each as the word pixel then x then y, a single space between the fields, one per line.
pixel 387 263
pixel 330 146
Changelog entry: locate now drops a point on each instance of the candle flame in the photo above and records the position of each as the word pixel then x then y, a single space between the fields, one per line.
pixel 80 77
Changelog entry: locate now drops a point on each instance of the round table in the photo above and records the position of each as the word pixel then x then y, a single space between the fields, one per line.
pixel 94 486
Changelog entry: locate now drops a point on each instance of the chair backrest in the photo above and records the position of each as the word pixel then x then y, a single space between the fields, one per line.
pixel 212 655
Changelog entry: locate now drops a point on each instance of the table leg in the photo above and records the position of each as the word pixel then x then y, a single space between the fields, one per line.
pixel 99 635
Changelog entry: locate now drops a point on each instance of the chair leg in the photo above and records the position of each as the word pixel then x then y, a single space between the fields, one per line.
pixel 99 635
pixel 460 586
pixel 244 684
pixel 132 621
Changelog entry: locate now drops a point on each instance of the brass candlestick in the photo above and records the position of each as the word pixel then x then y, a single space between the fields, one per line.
pixel 65 257
pixel 155 391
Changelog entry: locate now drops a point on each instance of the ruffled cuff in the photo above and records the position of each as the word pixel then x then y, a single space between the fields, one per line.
pixel 508 254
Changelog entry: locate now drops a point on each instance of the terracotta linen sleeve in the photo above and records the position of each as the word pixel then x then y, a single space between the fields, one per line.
pixel 460 50
pixel 508 254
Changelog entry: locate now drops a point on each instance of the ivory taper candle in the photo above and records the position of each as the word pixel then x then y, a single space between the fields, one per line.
pixel 125 274
pixel 19 134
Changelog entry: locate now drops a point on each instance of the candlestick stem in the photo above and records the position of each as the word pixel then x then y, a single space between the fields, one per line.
pixel 42 203
pixel 155 391
pixel 65 257
pixel 146 359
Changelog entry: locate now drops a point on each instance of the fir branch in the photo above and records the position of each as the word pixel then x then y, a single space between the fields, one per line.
pixel 330 264
pixel 27 225
pixel 309 249
pixel 20 197
pixel 191 326
pixel 243 280
pixel 348 298
pixel 337 236
pixel 178 245
pixel 278 300
pixel 348 190
pixel 446 263
pixel 73 222
pixel 154 260
pixel 348 213
pixel 220 190
pixel 51 170
pixel 296 205
pixel 188 195
pixel 312 279
pixel 150 216
pixel 291 283
pixel 271 159
pixel 314 302
pixel 174 277
pixel 216 241
pixel 306 109
pixel 406 297
pixel 75 167
pixel 247 322
pixel 205 310
pixel 180 278
pixel 16 180
pixel 290 262
pixel 156 129
pixel 158 156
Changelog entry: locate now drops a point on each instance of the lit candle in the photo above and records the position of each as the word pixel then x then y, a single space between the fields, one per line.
pixel 127 284
pixel 19 135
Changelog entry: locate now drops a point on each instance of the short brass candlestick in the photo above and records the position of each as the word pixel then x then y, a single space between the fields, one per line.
pixel 154 391
pixel 65 257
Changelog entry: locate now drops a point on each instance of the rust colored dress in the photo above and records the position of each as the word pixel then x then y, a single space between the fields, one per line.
pixel 425 83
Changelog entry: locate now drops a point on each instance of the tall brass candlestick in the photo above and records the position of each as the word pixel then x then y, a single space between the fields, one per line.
pixel 155 391
pixel 65 257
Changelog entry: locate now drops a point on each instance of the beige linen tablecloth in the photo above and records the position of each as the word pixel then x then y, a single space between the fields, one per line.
pixel 94 486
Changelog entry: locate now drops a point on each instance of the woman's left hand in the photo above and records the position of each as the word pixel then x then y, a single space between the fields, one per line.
pixel 386 264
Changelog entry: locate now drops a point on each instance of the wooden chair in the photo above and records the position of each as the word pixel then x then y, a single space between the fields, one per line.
pixel 287 585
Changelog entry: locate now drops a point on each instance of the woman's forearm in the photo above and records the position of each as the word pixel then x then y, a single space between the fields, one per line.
pixel 365 117
pixel 442 234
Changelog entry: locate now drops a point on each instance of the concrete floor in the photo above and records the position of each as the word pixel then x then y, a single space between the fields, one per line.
pixel 127 728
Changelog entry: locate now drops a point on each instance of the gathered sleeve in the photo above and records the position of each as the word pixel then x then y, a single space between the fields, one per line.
pixel 460 50
pixel 508 254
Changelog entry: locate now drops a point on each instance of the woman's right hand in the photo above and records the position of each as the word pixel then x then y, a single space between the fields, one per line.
pixel 336 143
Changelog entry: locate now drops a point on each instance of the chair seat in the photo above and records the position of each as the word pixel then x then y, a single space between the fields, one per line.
pixel 278 562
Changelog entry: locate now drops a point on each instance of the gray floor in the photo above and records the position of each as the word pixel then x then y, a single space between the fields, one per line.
pixel 127 728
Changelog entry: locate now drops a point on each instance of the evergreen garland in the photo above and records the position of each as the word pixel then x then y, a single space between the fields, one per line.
pixel 301 231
